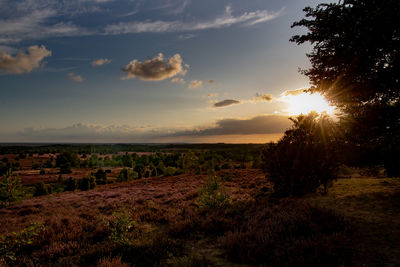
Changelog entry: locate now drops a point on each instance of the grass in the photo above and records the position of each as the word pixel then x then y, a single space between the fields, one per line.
pixel 373 204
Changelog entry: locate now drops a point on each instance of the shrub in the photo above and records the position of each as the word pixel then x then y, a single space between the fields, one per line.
pixel 101 177
pixel 11 189
pixel 213 195
pixel 11 244
pixel 127 175
pixel 71 184
pixel 121 227
pixel 41 189
pixel 87 183
pixel 304 158
pixel 170 171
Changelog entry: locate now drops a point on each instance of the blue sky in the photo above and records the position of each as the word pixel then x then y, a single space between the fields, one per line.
pixel 147 71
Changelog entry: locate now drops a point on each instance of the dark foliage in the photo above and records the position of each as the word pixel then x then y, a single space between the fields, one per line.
pixel 304 158
pixel 355 63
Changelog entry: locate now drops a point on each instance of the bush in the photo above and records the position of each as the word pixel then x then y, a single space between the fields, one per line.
pixel 71 184
pixel 213 195
pixel 11 244
pixel 127 175
pixel 87 183
pixel 121 227
pixel 304 158
pixel 101 177
pixel 41 189
pixel 11 189
pixel 170 171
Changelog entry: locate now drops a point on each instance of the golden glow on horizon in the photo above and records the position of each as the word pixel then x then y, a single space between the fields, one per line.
pixel 304 103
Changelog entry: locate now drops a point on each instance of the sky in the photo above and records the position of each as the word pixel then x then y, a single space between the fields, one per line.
pixel 134 71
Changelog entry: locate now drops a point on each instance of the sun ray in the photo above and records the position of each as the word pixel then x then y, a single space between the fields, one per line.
pixel 304 103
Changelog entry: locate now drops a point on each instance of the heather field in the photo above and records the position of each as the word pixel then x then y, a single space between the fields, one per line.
pixel 227 218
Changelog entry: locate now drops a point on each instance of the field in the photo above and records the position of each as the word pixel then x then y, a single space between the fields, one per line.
pixel 171 209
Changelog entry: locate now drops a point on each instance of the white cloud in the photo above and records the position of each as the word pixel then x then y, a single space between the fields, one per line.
pixel 225 20
pixel 100 62
pixel 75 77
pixel 195 84
pixel 155 69
pixel 23 62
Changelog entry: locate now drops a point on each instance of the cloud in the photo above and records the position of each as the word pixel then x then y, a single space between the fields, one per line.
pixel 294 92
pixel 210 81
pixel 75 77
pixel 263 97
pixel 186 36
pixel 195 84
pixel 225 103
pixel 212 95
pixel 225 20
pixel 155 69
pixel 178 80
pixel 94 133
pixel 263 124
pixel 24 61
pixel 100 62
pixel 82 132
pixel 35 24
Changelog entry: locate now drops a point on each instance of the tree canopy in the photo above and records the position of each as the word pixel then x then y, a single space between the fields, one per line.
pixel 355 64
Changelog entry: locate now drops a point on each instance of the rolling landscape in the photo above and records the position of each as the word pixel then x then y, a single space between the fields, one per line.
pixel 199 133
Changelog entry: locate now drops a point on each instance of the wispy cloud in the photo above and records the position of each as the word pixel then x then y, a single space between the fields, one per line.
pixel 294 92
pixel 34 26
pixel 75 77
pixel 225 20
pixel 186 36
pixel 155 69
pixel 195 84
pixel 178 80
pixel 23 62
pixel 100 62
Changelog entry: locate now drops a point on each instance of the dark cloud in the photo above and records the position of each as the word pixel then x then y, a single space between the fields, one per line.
pixel 155 69
pixel 263 97
pixel 225 103
pixel 265 124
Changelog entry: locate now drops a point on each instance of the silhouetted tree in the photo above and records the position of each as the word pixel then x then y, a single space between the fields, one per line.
pixel 101 177
pixel 70 184
pixel 67 160
pixel 355 63
pixel 304 158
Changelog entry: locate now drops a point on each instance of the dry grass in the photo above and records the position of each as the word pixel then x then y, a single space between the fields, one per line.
pixel 374 205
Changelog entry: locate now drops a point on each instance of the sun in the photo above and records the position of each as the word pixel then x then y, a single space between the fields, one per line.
pixel 304 103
